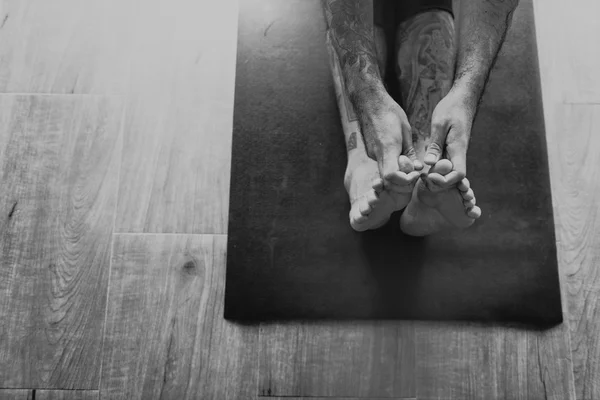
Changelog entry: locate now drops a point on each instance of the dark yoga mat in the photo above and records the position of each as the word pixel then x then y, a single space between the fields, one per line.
pixel 291 252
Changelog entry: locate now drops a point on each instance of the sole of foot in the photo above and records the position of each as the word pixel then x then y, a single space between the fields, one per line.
pixel 372 205
pixel 433 208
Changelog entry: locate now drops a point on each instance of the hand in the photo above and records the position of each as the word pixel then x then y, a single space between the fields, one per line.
pixel 388 136
pixel 451 124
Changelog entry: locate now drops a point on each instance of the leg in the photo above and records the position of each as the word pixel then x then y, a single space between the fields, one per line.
pixel 371 206
pixel 425 60
pixel 425 67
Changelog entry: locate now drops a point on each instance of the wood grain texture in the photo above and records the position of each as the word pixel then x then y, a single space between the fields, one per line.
pixel 166 336
pixel 572 130
pixel 59 159
pixel 576 189
pixel 365 359
pixel 335 398
pixel 567 33
pixel 15 394
pixel 176 177
pixel 468 361
pixel 67 395
pixel 64 46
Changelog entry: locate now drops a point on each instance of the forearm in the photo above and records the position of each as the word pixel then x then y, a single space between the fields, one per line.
pixel 482 32
pixel 350 27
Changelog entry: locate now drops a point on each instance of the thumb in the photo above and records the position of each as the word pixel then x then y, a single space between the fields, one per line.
pixel 438 139
pixel 388 165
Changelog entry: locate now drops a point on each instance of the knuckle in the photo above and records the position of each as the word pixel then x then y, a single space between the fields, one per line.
pixel 434 148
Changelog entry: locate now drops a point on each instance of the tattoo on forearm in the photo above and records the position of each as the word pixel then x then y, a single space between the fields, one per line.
pixel 426 66
pixel 351 24
pixel 351 145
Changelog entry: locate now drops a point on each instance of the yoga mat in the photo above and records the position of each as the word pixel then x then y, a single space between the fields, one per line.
pixel 291 252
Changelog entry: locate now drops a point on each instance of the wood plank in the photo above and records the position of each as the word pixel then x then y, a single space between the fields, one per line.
pixel 180 118
pixel 15 394
pixel 67 395
pixel 64 46
pixel 575 166
pixel 468 361
pixel 59 159
pixel 166 336
pixel 336 398
pixel 366 359
pixel 565 32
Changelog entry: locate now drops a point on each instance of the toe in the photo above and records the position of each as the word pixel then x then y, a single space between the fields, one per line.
pixel 469 203
pixel 364 207
pixel 434 181
pixel 357 219
pixel 464 185
pixel 474 212
pixel 442 167
pixel 468 195
pixel 372 199
pixel 443 176
pixel 401 181
pixel 378 185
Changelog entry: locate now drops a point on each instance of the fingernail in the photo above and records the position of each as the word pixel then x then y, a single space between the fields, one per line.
pixel 429 158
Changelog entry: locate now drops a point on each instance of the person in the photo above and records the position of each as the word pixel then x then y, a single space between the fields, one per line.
pixel 411 154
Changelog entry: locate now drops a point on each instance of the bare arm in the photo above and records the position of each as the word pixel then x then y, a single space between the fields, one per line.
pixel 350 24
pixel 482 31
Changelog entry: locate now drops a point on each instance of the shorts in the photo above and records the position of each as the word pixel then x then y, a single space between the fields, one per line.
pixel 390 13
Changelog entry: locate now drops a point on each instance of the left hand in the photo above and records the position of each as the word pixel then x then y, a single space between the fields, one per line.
pixel 451 124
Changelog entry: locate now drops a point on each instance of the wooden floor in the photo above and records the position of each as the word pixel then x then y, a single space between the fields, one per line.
pixel 115 135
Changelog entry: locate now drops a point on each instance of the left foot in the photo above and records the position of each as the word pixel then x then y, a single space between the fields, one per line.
pixel 433 209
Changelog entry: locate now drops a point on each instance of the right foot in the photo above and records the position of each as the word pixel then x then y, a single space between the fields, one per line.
pixel 434 209
pixel 371 205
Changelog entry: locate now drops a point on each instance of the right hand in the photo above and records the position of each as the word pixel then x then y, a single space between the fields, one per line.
pixel 387 136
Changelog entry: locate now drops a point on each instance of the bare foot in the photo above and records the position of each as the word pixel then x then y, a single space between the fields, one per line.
pixel 371 205
pixel 433 208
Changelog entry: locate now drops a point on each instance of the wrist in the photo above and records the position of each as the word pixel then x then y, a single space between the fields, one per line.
pixel 467 93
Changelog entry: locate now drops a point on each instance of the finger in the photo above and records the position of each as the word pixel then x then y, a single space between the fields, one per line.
pixel 439 132
pixel 405 164
pixel 388 164
pixel 408 148
pixel 464 185
pixel 457 153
